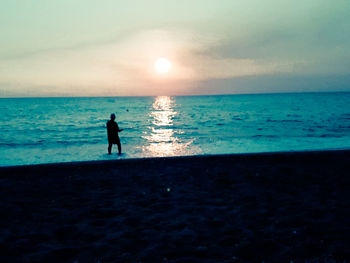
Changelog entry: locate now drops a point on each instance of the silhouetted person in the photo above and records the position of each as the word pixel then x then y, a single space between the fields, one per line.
pixel 112 133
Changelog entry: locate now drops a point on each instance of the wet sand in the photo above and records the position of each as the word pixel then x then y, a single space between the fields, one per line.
pixel 277 207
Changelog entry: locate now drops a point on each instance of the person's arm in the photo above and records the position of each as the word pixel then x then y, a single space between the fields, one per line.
pixel 119 130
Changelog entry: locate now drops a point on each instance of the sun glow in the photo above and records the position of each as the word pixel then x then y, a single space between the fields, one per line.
pixel 162 138
pixel 162 65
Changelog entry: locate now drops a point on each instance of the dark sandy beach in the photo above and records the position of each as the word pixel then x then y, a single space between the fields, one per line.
pixel 277 207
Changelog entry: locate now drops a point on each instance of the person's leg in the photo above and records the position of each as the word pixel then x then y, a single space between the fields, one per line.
pixel 119 146
pixel 110 148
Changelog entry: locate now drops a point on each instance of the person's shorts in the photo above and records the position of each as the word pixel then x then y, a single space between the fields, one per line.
pixel 114 140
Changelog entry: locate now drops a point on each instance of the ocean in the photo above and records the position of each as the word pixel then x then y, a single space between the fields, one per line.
pixel 46 130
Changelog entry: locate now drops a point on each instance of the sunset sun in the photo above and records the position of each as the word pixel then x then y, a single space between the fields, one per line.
pixel 162 65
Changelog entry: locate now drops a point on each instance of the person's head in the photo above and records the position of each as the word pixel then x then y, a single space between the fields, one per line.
pixel 112 116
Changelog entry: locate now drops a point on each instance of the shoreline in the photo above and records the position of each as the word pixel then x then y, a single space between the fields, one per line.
pixel 200 156
pixel 272 207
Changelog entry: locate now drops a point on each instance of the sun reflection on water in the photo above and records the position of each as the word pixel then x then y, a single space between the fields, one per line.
pixel 162 139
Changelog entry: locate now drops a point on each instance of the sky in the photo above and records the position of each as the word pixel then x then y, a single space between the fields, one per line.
pixel 109 47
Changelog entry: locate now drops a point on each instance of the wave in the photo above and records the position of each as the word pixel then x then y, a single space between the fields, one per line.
pixel 264 136
pixel 281 121
pixel 330 136
pixel 50 143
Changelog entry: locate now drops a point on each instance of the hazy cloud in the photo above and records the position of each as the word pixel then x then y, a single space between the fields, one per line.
pixel 108 48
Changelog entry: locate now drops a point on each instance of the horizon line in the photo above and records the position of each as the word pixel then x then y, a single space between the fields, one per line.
pixel 184 95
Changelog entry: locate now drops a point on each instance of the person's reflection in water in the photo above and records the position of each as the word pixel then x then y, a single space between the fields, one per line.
pixel 112 133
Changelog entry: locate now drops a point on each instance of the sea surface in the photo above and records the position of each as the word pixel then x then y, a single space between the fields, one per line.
pixel 46 130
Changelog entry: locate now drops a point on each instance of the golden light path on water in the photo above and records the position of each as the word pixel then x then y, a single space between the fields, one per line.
pixel 162 139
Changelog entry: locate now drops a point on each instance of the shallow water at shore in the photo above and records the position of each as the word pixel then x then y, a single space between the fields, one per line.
pixel 44 130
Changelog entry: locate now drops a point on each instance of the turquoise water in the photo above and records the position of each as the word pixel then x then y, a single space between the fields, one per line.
pixel 44 130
